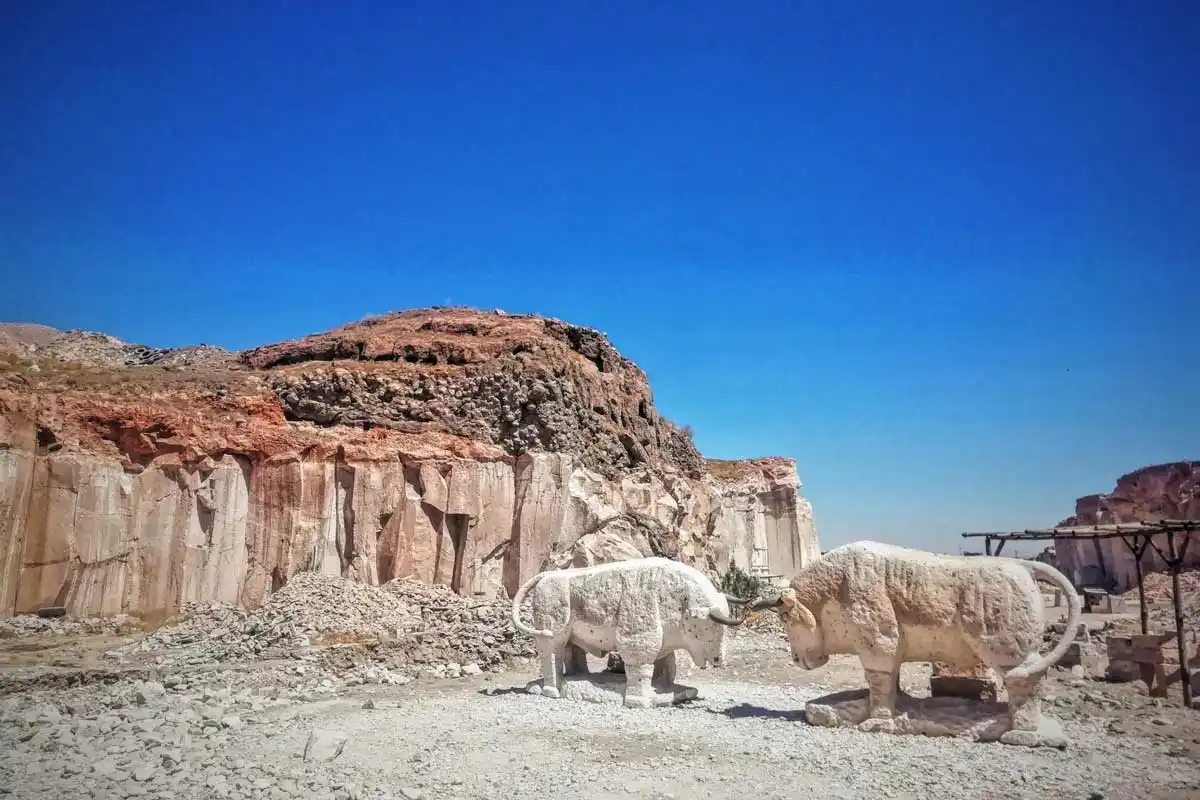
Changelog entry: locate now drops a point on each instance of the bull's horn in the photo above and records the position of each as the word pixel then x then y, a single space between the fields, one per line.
pixel 759 605
pixel 735 601
pixel 718 616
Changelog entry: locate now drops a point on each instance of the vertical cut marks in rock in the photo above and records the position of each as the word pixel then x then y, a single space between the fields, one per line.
pixel 344 508
pixel 458 526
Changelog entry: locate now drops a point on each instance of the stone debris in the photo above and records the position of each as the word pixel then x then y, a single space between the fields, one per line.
pixel 1158 600
pixel 207 734
pixel 374 674
pixel 34 625
pixel 764 622
pixel 359 634
pixel 463 634
pixel 308 608
pixel 324 745
pixel 101 350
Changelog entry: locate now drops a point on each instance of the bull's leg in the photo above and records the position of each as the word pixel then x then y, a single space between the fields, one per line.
pixel 1024 705
pixel 664 671
pixel 639 688
pixel 882 687
pixel 552 664
pixel 576 661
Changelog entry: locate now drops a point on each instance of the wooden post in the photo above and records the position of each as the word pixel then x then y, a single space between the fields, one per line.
pixel 1175 563
pixel 1143 612
pixel 987 545
pixel 1139 549
pixel 1000 546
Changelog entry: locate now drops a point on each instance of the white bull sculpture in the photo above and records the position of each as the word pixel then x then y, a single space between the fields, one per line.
pixel 643 609
pixel 889 605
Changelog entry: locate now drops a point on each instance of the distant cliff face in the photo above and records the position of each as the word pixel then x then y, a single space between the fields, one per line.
pixel 459 447
pixel 1162 491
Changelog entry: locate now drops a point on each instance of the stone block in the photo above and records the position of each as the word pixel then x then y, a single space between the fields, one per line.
pixel 1072 657
pixel 1094 662
pixel 1120 648
pixel 977 683
pixel 1121 671
pixel 964 688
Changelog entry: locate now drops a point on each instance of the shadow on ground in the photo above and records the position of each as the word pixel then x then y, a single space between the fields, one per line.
pixel 496 691
pixel 747 711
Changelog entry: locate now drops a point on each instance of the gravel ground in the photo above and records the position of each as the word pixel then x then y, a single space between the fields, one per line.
pixel 294 730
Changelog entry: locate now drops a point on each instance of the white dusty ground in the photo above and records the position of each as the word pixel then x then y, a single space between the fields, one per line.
pixel 481 736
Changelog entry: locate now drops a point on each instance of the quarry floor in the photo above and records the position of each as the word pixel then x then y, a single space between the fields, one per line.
pixel 244 733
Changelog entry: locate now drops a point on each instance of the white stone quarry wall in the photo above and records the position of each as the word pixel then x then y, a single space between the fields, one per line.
pixel 77 530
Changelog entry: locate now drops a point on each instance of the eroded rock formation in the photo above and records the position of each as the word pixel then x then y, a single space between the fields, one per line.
pixel 462 448
pixel 1162 491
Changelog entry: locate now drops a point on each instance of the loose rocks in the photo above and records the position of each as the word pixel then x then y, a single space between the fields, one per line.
pixel 34 625
pixel 308 607
pixel 465 636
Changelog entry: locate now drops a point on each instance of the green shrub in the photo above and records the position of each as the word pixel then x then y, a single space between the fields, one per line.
pixel 737 583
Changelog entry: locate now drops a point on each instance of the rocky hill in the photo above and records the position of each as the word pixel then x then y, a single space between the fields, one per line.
pixel 453 446
pixel 1161 491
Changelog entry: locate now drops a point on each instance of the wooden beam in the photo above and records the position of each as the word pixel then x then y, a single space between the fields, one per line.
pixel 1091 531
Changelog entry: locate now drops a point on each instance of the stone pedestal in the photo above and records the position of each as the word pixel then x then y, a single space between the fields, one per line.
pixel 933 716
pixel 978 683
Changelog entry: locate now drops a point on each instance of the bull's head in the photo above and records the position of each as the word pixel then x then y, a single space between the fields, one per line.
pixel 708 640
pixel 803 632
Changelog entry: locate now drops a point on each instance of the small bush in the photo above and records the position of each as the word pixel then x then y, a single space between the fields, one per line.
pixel 737 583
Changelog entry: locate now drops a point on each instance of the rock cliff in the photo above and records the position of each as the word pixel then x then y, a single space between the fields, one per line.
pixel 1163 491
pixel 454 446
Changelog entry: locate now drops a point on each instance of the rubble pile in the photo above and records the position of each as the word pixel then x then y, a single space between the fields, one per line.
pixel 1158 599
pixel 763 622
pixel 101 350
pixel 455 629
pixel 350 629
pixel 33 625
pixel 308 608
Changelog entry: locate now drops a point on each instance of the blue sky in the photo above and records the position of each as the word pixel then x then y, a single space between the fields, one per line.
pixel 943 254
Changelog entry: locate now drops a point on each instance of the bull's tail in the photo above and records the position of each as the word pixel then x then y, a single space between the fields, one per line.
pixel 1074 610
pixel 516 608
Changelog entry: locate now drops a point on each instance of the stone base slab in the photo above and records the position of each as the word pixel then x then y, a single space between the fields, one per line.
pixel 932 716
pixel 986 690
pixel 608 688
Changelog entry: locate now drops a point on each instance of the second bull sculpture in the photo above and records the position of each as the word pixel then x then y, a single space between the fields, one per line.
pixel 643 609
pixel 889 605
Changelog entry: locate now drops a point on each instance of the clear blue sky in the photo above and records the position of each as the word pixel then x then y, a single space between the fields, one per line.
pixel 944 254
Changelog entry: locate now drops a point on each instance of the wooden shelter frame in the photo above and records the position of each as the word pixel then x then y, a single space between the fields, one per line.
pixel 1138 537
